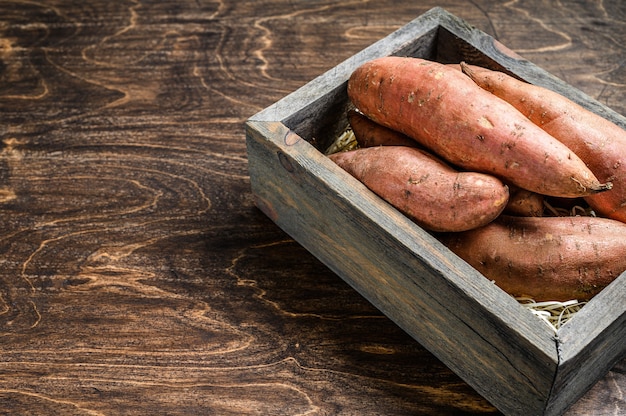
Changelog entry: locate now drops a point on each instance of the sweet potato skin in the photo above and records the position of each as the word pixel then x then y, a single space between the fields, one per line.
pixel 427 190
pixel 546 258
pixel 369 133
pixel 600 143
pixel 447 113
pixel 524 203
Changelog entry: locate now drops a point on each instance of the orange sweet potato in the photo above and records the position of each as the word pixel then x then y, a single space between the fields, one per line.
pixel 426 189
pixel 369 133
pixel 600 143
pixel 524 203
pixel 546 258
pixel 450 115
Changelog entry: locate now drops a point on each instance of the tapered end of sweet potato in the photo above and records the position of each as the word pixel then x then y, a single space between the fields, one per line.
pixel 469 70
pixel 601 187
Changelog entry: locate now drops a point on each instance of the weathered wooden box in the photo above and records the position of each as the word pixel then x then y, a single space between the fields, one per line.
pixel 511 357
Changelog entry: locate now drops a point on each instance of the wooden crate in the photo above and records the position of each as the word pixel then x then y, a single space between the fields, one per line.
pixel 512 358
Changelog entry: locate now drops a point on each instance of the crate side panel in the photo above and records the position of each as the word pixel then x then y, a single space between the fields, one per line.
pixel 406 278
pixel 591 343
pixel 323 120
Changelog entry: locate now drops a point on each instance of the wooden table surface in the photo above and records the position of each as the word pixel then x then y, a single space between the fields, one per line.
pixel 136 274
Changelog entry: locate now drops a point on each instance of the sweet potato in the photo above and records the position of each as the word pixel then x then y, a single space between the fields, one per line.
pixel 546 258
pixel 524 203
pixel 426 189
pixel 465 125
pixel 600 143
pixel 369 134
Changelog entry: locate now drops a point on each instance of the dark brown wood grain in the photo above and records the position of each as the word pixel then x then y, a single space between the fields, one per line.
pixel 136 274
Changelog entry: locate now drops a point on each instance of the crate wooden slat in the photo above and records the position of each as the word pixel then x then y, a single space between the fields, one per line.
pixel 508 355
